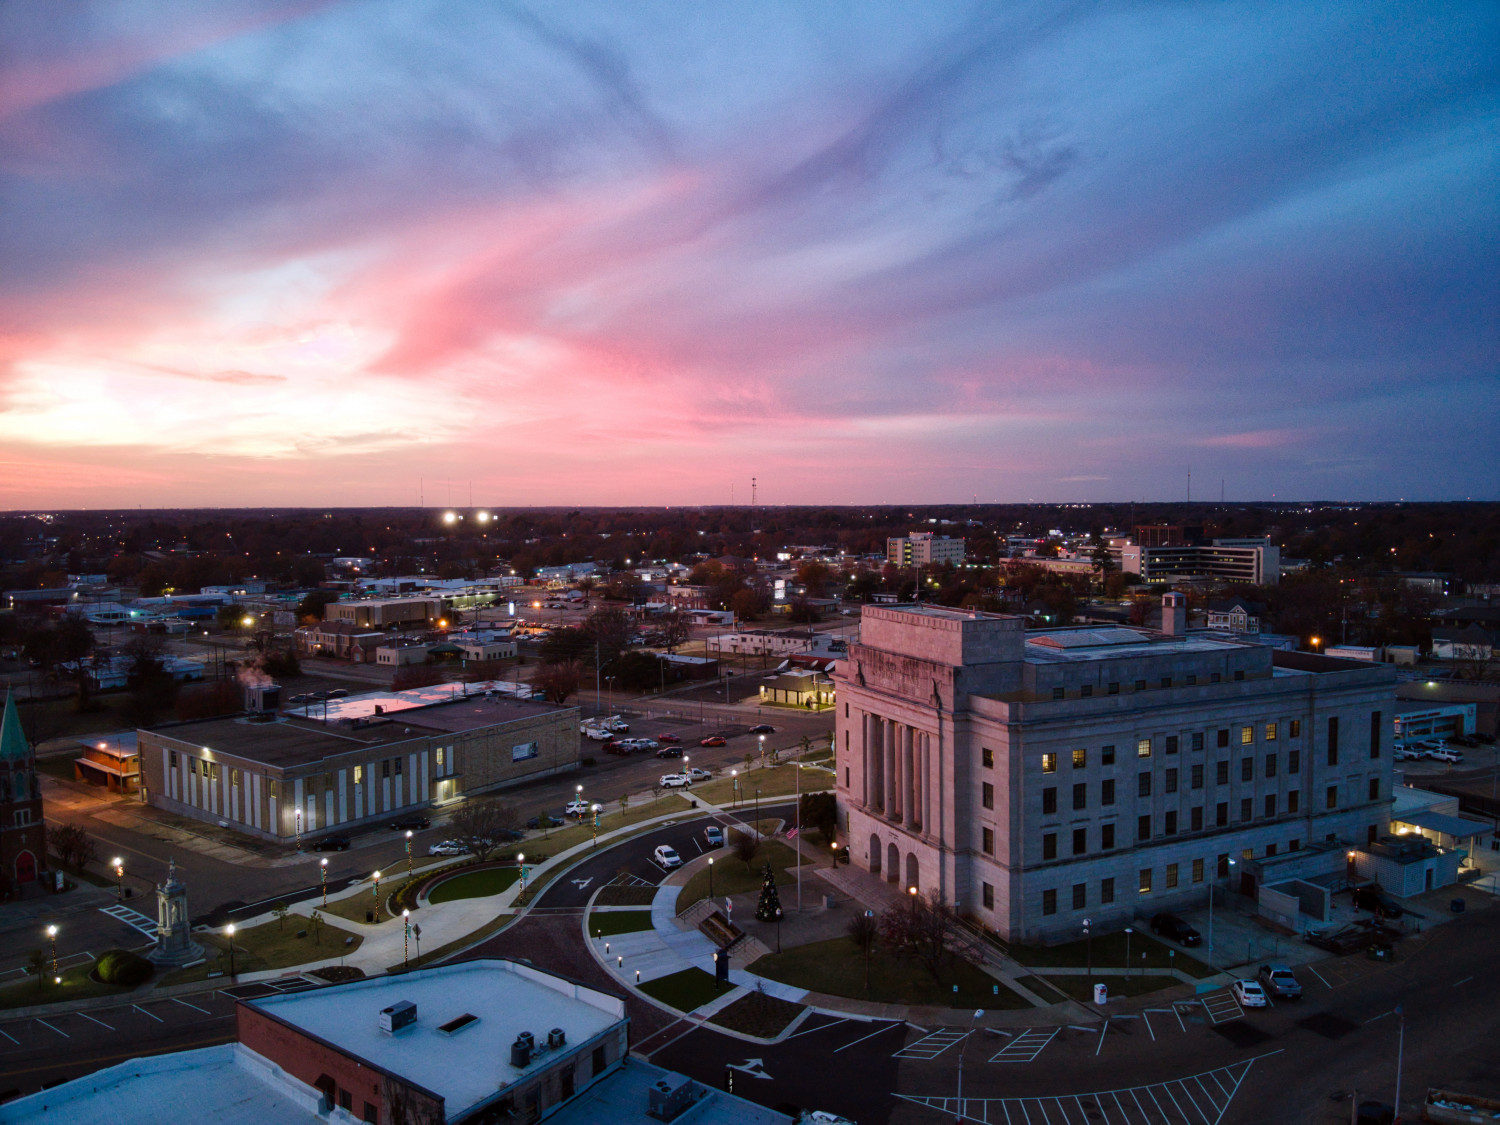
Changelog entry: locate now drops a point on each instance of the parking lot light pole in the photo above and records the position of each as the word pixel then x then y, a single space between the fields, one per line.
pixel 734 788
pixel 869 941
pixel 52 934
pixel 119 865
pixel 408 853
pixel 229 933
pixel 710 876
pixel 978 1012
pixel 1088 937
pixel 376 893
pixel 521 863
pixel 1128 932
pixel 323 872
pixel 596 809
pixel 406 939
pixel 1400 1049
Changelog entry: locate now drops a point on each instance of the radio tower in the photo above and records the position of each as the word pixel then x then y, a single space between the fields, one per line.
pixel 752 492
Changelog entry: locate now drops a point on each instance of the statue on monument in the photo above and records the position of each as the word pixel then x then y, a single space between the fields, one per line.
pixel 174 937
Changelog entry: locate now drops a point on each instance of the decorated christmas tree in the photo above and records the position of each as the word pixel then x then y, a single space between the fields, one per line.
pixel 768 909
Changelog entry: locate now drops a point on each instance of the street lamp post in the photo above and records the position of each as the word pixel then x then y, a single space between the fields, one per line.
pixel 1128 932
pixel 229 933
pixel 323 876
pixel 595 810
pixel 710 876
pixel 408 853
pixel 52 934
pixel 734 786
pixel 977 1013
pixel 1088 937
pixel 299 829
pixel 521 863
pixel 1400 1050
pixel 406 939
pixel 757 808
pixel 762 750
pixel 119 865
pixel 376 893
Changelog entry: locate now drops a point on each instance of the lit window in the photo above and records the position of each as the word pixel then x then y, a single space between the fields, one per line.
pixel 1080 759
pixel 1145 881
pixel 1049 763
pixel 1270 732
pixel 1247 735
pixel 359 774
pixel 1143 748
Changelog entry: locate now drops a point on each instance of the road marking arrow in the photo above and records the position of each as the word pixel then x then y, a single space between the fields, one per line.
pixel 753 1067
pixel 582 884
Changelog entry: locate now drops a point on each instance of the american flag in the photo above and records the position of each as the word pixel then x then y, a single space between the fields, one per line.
pixel 792 835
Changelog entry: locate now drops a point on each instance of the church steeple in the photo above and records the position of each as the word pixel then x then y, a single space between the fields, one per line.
pixel 13 744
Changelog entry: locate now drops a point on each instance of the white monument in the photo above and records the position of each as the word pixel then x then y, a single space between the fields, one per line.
pixel 174 936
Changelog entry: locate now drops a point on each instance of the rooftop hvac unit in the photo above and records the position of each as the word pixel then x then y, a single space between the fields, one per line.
pixel 670 1096
pixel 556 1038
pixel 520 1051
pixel 262 699
pixel 398 1017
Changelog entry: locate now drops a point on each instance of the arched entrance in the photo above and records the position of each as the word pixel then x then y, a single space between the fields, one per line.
pixel 911 871
pixel 892 863
pixel 874 854
pixel 26 868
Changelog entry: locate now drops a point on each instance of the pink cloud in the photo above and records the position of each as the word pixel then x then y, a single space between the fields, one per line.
pixel 1255 439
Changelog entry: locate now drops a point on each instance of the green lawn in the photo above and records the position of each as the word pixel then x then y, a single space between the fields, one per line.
pixel 607 923
pixel 773 781
pixel 1109 953
pixel 689 989
pixel 1040 986
pixel 757 1014
pixel 837 967
pixel 76 985
pixel 271 945
pixel 730 876
pixel 474 884
pixel 1082 988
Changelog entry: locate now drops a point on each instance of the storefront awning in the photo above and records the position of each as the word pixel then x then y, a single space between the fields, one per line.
pixel 1455 826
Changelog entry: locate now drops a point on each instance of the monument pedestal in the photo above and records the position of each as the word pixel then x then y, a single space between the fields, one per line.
pixel 174 936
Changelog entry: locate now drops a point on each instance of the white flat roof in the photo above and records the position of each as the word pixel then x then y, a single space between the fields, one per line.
pixel 508 998
pixel 228 1085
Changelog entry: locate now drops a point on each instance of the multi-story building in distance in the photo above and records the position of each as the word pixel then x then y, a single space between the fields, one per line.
pixel 922 548
pixel 1255 562
pixel 1037 778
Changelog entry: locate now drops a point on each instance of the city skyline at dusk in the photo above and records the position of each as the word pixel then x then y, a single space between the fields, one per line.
pixel 366 254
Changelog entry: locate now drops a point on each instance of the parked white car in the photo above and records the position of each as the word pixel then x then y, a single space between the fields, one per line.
pixel 576 808
pixel 1446 755
pixel 448 847
pixel 667 856
pixel 1249 993
pixel 598 734
pixel 697 774
pixel 675 781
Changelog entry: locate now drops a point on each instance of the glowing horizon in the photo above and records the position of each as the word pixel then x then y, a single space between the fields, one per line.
pixel 276 253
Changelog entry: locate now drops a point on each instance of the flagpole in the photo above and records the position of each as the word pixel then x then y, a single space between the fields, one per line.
pixel 799 837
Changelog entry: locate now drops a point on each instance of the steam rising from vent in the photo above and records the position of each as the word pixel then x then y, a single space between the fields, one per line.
pixel 253 675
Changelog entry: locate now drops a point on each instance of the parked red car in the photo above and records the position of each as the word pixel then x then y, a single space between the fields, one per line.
pixel 714 740
pixel 667 738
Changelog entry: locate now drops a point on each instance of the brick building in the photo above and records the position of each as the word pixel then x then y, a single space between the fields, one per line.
pixel 22 836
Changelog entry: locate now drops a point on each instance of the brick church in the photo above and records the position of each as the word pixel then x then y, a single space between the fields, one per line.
pixel 22 835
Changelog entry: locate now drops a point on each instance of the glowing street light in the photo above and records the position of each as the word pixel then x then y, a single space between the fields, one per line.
pixel 229 933
pixel 450 518
pixel 376 892
pixel 406 939
pixel 323 872
pixel 710 876
pixel 521 863
pixel 408 853
pixel 52 934
pixel 119 865
pixel 247 621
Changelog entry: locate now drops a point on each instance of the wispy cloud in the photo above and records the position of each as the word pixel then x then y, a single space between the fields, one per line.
pixel 605 254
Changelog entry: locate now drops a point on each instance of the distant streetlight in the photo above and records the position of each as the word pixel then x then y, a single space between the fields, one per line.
pixel 119 865
pixel 521 863
pixel 229 933
pixel 52 934
pixel 408 853
pixel 1128 932
pixel 376 892
pixel 710 876
pixel 406 939
pixel 323 870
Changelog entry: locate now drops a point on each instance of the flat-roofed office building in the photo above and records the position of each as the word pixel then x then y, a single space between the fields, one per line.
pixel 1038 778
pixel 341 763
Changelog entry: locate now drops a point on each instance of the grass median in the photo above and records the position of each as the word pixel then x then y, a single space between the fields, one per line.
pixel 837 967
pixel 1109 954
pixel 483 883
pixel 685 990
pixel 772 781
pixel 608 923
pixel 271 945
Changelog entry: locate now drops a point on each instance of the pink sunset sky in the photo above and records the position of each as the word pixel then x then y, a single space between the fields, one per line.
pixel 321 253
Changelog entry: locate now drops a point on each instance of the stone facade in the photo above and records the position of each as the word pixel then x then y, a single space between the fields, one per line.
pixel 1034 779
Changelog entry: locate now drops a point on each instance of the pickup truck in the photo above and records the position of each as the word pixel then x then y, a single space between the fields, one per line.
pixel 1448 1107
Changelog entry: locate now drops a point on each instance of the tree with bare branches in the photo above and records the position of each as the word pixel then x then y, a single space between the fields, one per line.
pixel 675 626
pixel 483 825
pixel 558 681
pixel 744 846
pixel 925 929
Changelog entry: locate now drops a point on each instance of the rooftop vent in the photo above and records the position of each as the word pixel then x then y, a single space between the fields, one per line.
pixel 398 1017
pixel 520 1051
pixel 556 1038
pixel 457 1024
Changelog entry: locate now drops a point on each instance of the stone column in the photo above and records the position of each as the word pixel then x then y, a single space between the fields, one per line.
pixel 864 759
pixel 908 778
pixel 888 746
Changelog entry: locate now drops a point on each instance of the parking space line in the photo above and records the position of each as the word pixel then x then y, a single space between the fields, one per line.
pixel 143 1012
pixel 49 1027
pixel 931 1046
pixel 1207 1094
pixel 1320 976
pixel 7 1035
pixel 1103 1031
pixel 1146 1015
pixel 1167 1089
pixel 1181 1026
pixel 195 1007
pixel 809 1031
pixel 91 1019
pixel 872 1035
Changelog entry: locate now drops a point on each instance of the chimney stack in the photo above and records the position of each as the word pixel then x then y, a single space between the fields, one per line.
pixel 1174 614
